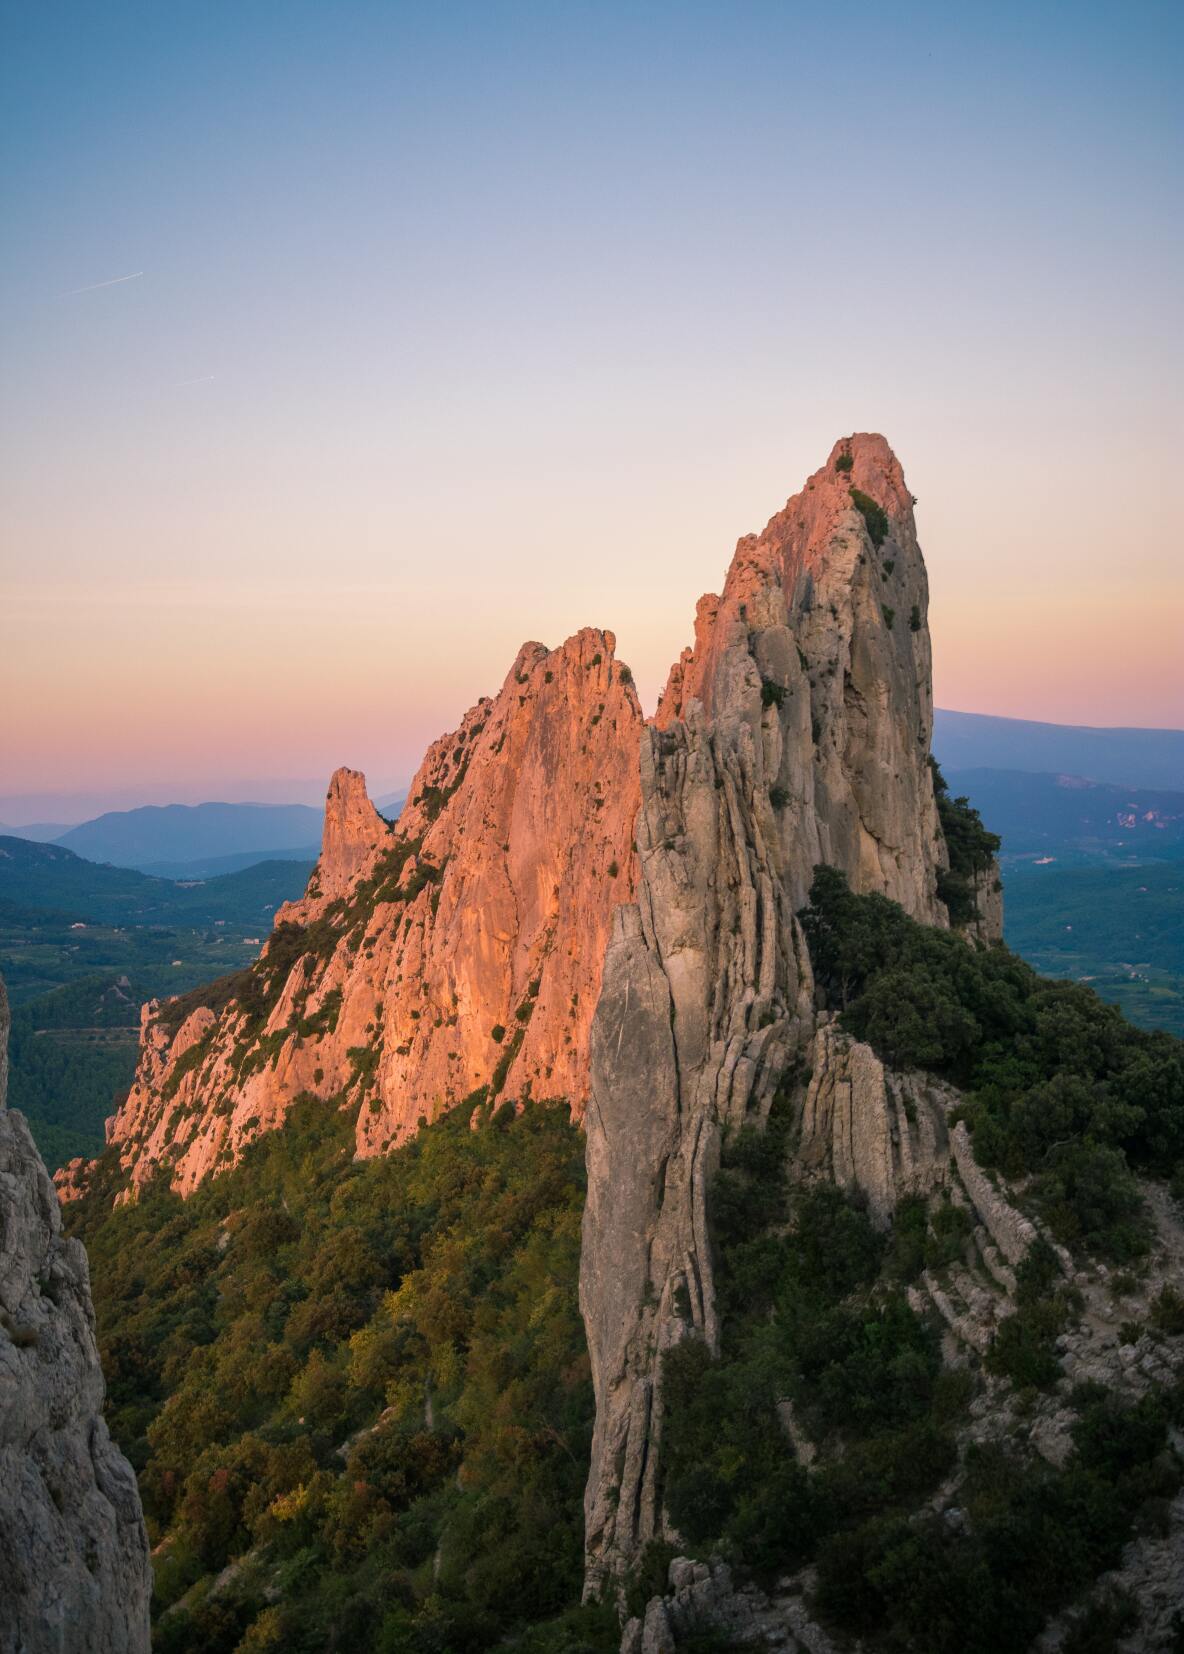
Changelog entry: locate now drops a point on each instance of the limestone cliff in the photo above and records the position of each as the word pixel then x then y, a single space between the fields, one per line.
pixel 463 949
pixel 459 950
pixel 74 1566
pixel 796 731
pixel 823 619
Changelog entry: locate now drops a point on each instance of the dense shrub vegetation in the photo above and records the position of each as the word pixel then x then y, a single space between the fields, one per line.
pixel 1061 1087
pixel 68 1049
pixel 1030 1539
pixel 367 1381
pixel 819 1337
pixel 813 1323
pixel 873 515
pixel 828 1419
pixel 971 848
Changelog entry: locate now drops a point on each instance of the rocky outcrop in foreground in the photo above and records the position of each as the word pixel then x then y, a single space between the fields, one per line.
pixel 74 1566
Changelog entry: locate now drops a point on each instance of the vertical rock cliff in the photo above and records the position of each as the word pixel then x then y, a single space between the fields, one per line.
pixel 796 731
pixel 74 1566
pixel 457 951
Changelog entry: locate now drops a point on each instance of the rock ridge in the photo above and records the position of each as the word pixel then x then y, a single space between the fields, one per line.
pixel 460 951
pixel 457 952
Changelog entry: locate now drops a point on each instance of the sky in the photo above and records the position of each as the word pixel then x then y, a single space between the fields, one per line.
pixel 345 347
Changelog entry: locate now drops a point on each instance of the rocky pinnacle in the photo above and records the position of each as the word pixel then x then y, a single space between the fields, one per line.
pixel 796 731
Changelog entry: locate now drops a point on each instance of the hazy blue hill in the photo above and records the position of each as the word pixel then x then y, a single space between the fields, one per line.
pixel 41 832
pixel 1125 757
pixel 1076 821
pixel 50 876
pixel 210 867
pixel 186 832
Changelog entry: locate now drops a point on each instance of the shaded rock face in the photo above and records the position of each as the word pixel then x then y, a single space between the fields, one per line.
pixel 869 1129
pixel 460 950
pixel 796 731
pixel 74 1566
pixel 986 891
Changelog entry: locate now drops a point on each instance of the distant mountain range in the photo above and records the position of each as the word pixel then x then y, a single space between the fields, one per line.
pixel 1073 822
pixel 202 841
pixel 214 867
pixel 156 835
pixel 194 841
pixel 1123 757
pixel 41 832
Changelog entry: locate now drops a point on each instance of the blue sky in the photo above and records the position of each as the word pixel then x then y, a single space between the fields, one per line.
pixel 464 324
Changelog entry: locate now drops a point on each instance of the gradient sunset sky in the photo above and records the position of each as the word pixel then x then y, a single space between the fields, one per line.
pixel 452 325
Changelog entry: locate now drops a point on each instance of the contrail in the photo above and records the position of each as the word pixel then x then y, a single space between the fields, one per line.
pixel 202 379
pixel 94 286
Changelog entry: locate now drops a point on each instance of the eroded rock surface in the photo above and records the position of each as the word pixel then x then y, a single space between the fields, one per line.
pixel 460 949
pixel 869 1129
pixel 74 1566
pixel 796 731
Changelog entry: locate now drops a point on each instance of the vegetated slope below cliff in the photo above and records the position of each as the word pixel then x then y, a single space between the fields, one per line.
pixel 362 1383
pixel 365 1383
pixel 937 1421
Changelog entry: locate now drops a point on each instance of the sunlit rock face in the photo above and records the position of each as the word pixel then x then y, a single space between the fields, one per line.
pixel 74 1565
pixel 796 731
pixel 459 950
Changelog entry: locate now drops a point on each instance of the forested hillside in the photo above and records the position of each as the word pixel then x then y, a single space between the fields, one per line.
pixel 365 1383
pixel 83 946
